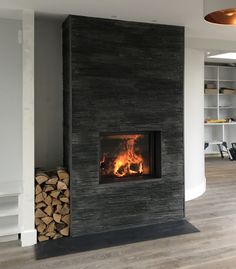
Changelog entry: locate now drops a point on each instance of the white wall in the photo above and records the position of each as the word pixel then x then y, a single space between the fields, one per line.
pixel 10 101
pixel 48 94
pixel 195 182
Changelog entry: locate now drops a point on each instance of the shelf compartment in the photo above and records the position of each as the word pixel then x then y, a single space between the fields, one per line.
pixel 219 107
pixel 227 107
pixel 210 107
pixel 227 73
pixel 12 188
pixel 227 80
pixel 210 79
pixel 8 206
pixel 227 94
pixel 210 94
pixel 211 73
pixel 220 123
pixel 9 226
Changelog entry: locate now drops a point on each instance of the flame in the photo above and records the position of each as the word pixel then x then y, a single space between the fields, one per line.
pixel 128 162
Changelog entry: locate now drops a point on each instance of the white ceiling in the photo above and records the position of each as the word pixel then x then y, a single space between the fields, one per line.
pixel 188 13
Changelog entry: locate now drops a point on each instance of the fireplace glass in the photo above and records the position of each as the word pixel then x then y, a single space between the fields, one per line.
pixel 129 156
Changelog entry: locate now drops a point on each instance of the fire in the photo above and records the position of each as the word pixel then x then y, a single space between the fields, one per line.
pixel 128 162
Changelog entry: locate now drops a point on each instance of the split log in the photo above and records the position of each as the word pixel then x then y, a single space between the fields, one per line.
pixel 60 226
pixel 41 177
pixel 66 219
pixel 48 210
pixel 40 205
pixel 56 202
pixel 62 174
pixel 48 200
pixel 38 221
pixel 66 181
pixel 52 181
pixel 64 199
pixel 41 227
pixel 39 213
pixel 51 227
pixel 47 220
pixel 67 193
pixel 65 231
pixel 44 195
pixel 57 217
pixel 57 236
pixel 61 185
pixel 58 209
pixel 55 193
pixel 51 234
pixel 38 189
pixel 65 210
pixel 48 188
pixel 39 198
pixel 42 238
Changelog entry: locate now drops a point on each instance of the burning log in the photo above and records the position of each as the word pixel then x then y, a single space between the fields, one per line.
pixel 128 160
pixel 121 171
pixel 52 204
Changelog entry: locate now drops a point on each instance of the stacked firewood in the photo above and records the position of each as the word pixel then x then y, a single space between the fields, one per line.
pixel 52 204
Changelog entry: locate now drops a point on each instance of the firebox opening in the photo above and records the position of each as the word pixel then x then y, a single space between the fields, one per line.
pixel 129 156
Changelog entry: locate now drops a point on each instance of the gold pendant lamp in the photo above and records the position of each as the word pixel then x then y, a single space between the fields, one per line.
pixel 220 11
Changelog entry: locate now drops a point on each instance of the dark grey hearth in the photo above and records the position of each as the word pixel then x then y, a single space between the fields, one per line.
pixel 122 76
pixel 70 245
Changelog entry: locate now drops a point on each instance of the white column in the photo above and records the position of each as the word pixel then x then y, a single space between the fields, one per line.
pixel 26 216
pixel 195 181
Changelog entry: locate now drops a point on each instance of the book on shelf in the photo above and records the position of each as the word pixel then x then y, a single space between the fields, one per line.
pixel 216 121
pixel 227 90
pixel 210 91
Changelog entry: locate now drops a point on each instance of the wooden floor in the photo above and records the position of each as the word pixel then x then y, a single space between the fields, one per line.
pixel 214 214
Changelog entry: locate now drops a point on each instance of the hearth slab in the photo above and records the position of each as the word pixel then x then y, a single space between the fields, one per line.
pixel 69 245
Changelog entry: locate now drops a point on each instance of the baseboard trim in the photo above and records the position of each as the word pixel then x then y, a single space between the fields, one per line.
pixel 194 193
pixel 28 238
pixel 8 238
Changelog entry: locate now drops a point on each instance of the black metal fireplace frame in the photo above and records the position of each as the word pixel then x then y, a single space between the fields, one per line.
pixel 154 151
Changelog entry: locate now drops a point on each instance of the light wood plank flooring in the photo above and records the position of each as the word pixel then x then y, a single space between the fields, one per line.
pixel 214 214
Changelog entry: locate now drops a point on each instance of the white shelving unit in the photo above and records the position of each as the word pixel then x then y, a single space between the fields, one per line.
pixel 219 105
pixel 9 210
pixel 9 206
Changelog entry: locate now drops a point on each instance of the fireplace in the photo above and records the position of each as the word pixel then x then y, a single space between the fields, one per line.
pixel 129 156
pixel 123 123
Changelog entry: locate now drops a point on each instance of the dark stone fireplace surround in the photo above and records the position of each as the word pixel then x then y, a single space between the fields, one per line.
pixel 122 76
